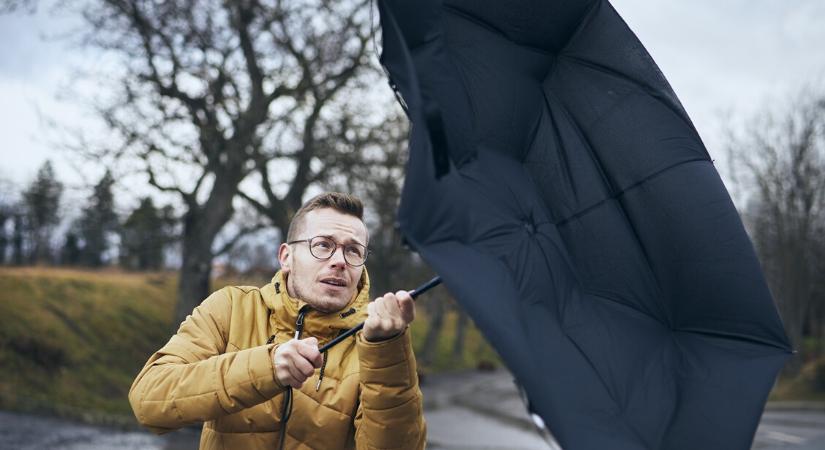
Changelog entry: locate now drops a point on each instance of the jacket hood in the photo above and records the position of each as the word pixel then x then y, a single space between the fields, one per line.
pixel 324 326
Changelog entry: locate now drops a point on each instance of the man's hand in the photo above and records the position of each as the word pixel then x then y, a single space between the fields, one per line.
pixel 296 360
pixel 388 316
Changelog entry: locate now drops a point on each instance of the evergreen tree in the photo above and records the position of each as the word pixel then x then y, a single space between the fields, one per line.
pixel 4 240
pixel 98 222
pixel 145 235
pixel 18 258
pixel 5 218
pixel 70 254
pixel 6 214
pixel 41 201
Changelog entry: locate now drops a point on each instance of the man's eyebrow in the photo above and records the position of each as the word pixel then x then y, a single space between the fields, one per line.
pixel 354 241
pixel 348 241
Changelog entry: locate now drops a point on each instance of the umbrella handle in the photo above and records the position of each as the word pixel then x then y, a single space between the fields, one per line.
pixel 414 293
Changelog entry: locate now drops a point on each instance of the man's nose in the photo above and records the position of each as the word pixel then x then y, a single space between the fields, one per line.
pixel 337 258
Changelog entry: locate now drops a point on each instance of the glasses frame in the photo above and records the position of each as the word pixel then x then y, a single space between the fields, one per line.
pixel 334 249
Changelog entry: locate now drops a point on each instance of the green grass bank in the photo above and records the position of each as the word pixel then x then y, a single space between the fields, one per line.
pixel 72 341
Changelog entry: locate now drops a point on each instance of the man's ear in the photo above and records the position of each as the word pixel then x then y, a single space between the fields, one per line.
pixel 285 257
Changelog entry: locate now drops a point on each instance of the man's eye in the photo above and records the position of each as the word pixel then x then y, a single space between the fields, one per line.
pixel 354 251
pixel 324 245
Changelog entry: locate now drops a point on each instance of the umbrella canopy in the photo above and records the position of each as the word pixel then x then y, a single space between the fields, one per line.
pixel 559 188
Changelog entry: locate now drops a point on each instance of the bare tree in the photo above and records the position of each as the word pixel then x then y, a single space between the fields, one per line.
pixel 322 136
pixel 206 92
pixel 780 159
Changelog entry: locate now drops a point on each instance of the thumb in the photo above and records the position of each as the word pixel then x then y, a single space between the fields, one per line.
pixel 312 354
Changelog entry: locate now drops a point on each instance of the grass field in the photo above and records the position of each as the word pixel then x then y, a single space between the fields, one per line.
pixel 72 341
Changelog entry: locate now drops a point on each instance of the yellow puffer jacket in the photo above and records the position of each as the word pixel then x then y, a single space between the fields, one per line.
pixel 217 369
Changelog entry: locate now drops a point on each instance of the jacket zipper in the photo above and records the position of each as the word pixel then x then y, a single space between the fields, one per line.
pixel 299 323
pixel 286 410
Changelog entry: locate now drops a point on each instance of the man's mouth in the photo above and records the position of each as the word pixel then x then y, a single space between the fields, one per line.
pixel 337 282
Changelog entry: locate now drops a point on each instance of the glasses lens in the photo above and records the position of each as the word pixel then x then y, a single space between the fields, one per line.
pixel 321 247
pixel 355 254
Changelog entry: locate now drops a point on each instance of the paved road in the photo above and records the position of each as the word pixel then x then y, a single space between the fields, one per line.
pixel 24 432
pixel 462 404
pixel 791 429
pixel 466 411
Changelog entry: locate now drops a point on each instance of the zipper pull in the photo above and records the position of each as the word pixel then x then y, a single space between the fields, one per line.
pixel 299 323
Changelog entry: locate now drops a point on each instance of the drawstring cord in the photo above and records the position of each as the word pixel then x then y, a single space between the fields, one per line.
pixel 324 363
pixel 321 375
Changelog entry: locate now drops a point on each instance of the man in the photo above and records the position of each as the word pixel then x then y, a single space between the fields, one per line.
pixel 246 362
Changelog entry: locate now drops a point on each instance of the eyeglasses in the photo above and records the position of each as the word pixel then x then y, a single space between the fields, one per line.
pixel 322 247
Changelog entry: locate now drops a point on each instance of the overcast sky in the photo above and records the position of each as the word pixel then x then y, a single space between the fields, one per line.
pixel 733 56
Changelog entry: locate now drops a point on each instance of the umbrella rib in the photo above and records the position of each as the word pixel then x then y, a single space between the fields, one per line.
pixel 629 187
pixel 614 193
pixel 676 108
pixel 608 182
pixel 734 337
pixel 620 410
pixel 492 28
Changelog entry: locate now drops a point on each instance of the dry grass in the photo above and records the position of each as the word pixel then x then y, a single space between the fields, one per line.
pixel 72 340
pixel 808 385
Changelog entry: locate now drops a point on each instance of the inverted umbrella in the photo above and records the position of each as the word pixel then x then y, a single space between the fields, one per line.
pixel 558 187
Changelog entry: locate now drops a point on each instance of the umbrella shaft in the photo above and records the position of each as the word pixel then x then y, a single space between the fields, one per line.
pixel 414 293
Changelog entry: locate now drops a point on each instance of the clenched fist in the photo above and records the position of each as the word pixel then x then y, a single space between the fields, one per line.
pixel 388 316
pixel 296 360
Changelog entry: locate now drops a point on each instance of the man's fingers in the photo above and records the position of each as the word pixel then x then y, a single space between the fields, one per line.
pixel 299 367
pixel 308 348
pixel 304 366
pixel 287 374
pixel 296 360
pixel 295 375
pixel 380 307
pixel 406 305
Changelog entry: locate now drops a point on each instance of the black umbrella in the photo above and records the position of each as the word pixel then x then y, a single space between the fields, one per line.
pixel 559 188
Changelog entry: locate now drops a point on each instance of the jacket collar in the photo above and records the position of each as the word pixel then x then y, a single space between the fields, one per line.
pixel 324 326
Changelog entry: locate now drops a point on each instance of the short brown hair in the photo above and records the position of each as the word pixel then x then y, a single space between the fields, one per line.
pixel 343 203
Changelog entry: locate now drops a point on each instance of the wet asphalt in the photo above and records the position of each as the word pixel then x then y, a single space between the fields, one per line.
pixel 464 411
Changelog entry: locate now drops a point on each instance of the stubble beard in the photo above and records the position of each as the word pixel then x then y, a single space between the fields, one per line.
pixel 315 303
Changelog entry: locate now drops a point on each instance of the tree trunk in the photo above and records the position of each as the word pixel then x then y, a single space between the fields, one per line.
pixel 460 334
pixel 201 226
pixel 193 284
pixel 792 312
pixel 4 240
pixel 428 350
pixel 18 258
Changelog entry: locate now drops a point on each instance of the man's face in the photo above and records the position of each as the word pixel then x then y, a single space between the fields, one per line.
pixel 330 284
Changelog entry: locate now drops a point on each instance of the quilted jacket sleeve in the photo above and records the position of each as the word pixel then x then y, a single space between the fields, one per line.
pixel 194 379
pixel 390 414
